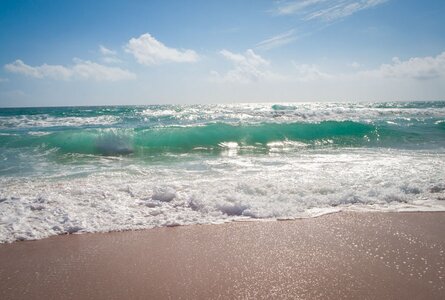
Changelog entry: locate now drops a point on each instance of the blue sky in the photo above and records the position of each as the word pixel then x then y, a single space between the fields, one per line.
pixel 150 52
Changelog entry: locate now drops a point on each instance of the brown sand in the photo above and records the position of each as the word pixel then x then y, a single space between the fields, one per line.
pixel 345 255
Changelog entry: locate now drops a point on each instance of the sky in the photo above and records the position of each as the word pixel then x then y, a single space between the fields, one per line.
pixel 64 53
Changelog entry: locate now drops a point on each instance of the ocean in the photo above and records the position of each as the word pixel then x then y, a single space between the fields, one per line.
pixel 111 168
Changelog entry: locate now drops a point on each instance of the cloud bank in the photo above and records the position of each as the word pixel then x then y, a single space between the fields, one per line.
pixel 82 69
pixel 421 68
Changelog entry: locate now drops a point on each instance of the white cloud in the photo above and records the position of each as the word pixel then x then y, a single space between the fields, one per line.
pixel 105 51
pixel 417 68
pixel 306 72
pixel 248 67
pixel 290 8
pixel 111 60
pixel 108 56
pixel 4 79
pixel 149 51
pixel 51 71
pixel 355 65
pixel 91 70
pixel 343 9
pixel 414 68
pixel 82 69
pixel 278 40
pixel 326 10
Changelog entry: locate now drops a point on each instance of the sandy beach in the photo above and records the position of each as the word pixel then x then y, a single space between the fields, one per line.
pixel 344 255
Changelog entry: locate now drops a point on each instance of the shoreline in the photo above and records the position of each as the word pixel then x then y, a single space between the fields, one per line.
pixel 229 221
pixel 338 255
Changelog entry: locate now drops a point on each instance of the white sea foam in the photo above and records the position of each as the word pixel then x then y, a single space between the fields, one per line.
pixel 229 145
pixel 39 133
pixel 45 121
pixel 7 134
pixel 298 112
pixel 220 189
pixel 286 145
pixel 234 113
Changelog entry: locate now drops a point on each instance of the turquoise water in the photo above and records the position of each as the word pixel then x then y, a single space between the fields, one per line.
pixel 149 130
pixel 70 169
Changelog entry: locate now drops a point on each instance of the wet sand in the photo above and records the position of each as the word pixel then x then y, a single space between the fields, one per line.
pixel 345 255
